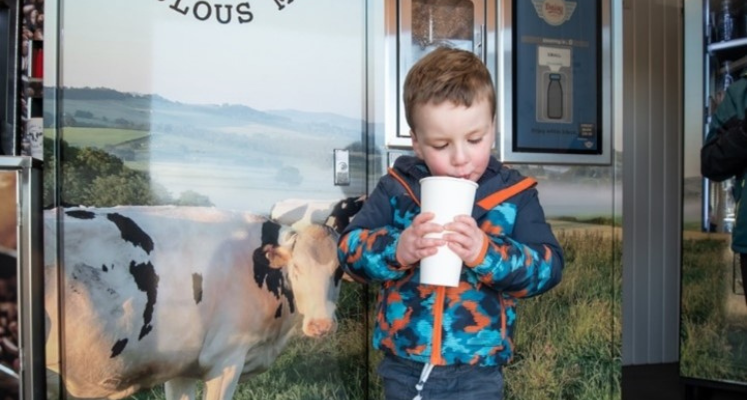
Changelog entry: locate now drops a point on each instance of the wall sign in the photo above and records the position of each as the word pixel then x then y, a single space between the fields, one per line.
pixel 557 102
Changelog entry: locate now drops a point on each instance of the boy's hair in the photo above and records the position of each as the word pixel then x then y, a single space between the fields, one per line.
pixel 447 74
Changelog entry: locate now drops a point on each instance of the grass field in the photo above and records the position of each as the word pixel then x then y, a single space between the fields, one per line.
pixel 714 316
pixel 331 369
pixel 100 137
pixel 568 341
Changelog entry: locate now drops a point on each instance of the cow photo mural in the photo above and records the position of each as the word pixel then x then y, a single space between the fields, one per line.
pixel 191 212
pixel 201 157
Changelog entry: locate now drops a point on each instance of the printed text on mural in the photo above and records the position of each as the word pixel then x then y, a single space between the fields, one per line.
pixel 224 13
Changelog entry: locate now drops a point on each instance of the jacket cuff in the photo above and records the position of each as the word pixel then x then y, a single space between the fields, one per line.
pixel 392 259
pixel 483 251
pixel 398 265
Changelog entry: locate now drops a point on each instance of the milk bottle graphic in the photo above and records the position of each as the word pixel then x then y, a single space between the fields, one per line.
pixel 554 84
pixel 554 97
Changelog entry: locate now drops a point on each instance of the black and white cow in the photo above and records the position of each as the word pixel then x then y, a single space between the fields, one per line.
pixel 178 295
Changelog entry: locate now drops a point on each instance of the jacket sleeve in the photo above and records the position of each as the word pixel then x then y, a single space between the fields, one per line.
pixel 530 261
pixel 724 153
pixel 367 247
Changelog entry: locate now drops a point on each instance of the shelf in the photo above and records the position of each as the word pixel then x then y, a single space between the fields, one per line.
pixel 32 78
pixel 731 44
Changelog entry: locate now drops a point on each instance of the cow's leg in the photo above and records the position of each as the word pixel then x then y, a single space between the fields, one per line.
pixel 223 386
pixel 180 389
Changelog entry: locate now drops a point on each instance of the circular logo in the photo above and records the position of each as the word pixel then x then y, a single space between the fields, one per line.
pixel 554 12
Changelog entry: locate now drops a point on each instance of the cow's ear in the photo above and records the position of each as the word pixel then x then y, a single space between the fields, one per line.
pixel 287 236
pixel 279 256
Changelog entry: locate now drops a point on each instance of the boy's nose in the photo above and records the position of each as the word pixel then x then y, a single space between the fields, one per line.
pixel 459 156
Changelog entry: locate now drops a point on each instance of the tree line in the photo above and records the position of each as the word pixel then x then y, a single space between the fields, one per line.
pixel 94 178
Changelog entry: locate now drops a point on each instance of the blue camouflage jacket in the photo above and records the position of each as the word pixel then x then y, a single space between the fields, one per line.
pixel 474 322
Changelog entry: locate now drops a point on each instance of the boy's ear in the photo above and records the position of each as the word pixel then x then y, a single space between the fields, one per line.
pixel 415 144
pixel 493 133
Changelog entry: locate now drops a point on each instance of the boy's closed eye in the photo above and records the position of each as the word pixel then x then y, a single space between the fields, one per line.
pixel 440 146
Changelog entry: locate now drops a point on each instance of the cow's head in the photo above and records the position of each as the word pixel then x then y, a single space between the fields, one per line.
pixel 344 211
pixel 310 256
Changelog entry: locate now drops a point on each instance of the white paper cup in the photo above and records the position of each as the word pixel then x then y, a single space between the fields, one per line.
pixel 445 197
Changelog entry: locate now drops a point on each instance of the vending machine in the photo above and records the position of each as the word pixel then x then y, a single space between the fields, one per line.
pixel 22 332
pixel 725 60
pixel 721 27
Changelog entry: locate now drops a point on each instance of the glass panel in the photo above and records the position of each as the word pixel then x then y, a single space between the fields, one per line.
pixel 9 66
pixel 574 330
pixel 424 25
pixel 439 23
pixel 208 131
pixel 21 279
pixel 713 334
pixel 10 361
pixel 568 342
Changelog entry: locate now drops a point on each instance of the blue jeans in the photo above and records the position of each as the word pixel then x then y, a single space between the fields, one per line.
pixel 457 382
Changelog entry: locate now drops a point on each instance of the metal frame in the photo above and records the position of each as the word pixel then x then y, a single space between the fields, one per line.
pixel 9 132
pixel 30 258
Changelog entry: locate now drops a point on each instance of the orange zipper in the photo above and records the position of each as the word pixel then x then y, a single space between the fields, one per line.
pixel 438 312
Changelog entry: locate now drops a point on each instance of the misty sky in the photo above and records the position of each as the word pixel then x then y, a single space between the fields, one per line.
pixel 307 56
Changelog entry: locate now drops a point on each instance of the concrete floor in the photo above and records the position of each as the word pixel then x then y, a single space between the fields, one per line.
pixel 663 382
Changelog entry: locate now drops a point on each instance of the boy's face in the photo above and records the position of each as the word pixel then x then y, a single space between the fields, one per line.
pixel 454 140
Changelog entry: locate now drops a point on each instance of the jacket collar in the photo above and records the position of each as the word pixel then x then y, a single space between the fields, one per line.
pixel 413 168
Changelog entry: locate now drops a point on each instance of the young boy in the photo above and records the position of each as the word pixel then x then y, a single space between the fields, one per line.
pixel 450 342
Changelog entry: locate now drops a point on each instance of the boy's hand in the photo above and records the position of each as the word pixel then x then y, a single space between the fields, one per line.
pixel 465 238
pixel 413 245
